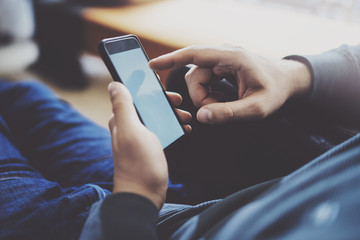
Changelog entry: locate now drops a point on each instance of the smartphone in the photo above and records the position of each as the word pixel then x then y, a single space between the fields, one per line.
pixel 127 62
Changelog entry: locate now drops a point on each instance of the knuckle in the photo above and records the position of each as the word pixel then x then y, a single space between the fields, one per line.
pixel 260 110
pixel 111 122
pixel 188 76
pixel 227 113
pixel 196 102
pixel 116 107
pixel 191 48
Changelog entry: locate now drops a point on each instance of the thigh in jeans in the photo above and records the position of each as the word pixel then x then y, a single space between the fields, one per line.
pixel 60 143
pixel 54 164
pixel 32 207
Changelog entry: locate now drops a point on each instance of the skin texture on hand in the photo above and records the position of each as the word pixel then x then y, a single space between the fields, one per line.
pixel 140 166
pixel 139 162
pixel 264 85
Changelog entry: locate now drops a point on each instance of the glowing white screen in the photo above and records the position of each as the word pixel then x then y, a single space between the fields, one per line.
pixel 146 91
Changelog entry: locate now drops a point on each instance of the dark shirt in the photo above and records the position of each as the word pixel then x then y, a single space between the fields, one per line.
pixel 318 201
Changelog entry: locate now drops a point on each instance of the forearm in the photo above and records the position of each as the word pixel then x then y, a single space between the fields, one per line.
pixel 335 81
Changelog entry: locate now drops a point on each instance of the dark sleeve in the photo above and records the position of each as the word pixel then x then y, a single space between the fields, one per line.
pixel 336 81
pixel 121 216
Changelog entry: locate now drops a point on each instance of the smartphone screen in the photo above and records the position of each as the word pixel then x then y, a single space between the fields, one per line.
pixel 131 65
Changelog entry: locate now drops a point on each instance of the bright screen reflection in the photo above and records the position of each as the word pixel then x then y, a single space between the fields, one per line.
pixel 153 107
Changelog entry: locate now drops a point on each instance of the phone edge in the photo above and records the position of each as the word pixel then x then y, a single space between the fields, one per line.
pixel 111 68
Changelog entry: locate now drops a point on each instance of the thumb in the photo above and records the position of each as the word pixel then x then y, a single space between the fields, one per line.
pixel 252 107
pixel 122 105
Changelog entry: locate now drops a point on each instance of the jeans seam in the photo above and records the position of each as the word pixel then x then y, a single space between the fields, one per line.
pixel 17 176
pixel 100 192
pixel 11 178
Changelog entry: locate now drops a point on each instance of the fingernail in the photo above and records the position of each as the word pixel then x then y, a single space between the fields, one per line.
pixel 113 89
pixel 204 115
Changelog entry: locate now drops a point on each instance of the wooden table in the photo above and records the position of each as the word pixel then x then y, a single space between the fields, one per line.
pixel 167 25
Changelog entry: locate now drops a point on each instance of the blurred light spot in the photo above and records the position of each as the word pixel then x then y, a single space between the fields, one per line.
pixel 325 213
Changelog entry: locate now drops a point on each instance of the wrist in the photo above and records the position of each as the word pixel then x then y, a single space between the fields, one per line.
pixel 300 78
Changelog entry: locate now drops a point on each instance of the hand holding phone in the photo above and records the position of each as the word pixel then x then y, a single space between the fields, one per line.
pixel 140 165
pixel 128 63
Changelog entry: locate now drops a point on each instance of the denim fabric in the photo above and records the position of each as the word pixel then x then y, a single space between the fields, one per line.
pixel 318 201
pixel 54 164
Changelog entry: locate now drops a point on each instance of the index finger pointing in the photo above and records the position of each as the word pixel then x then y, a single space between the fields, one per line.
pixel 200 56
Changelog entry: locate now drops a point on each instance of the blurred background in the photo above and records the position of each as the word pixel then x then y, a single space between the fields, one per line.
pixel 54 41
pixel 347 10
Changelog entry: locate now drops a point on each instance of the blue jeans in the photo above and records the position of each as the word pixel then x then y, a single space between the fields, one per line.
pixel 54 164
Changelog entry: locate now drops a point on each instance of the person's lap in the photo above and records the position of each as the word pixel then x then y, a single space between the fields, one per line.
pixel 316 201
pixel 53 162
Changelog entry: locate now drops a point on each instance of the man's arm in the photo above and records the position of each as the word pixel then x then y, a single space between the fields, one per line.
pixel 140 175
pixel 331 80
pixel 336 81
pixel 263 84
